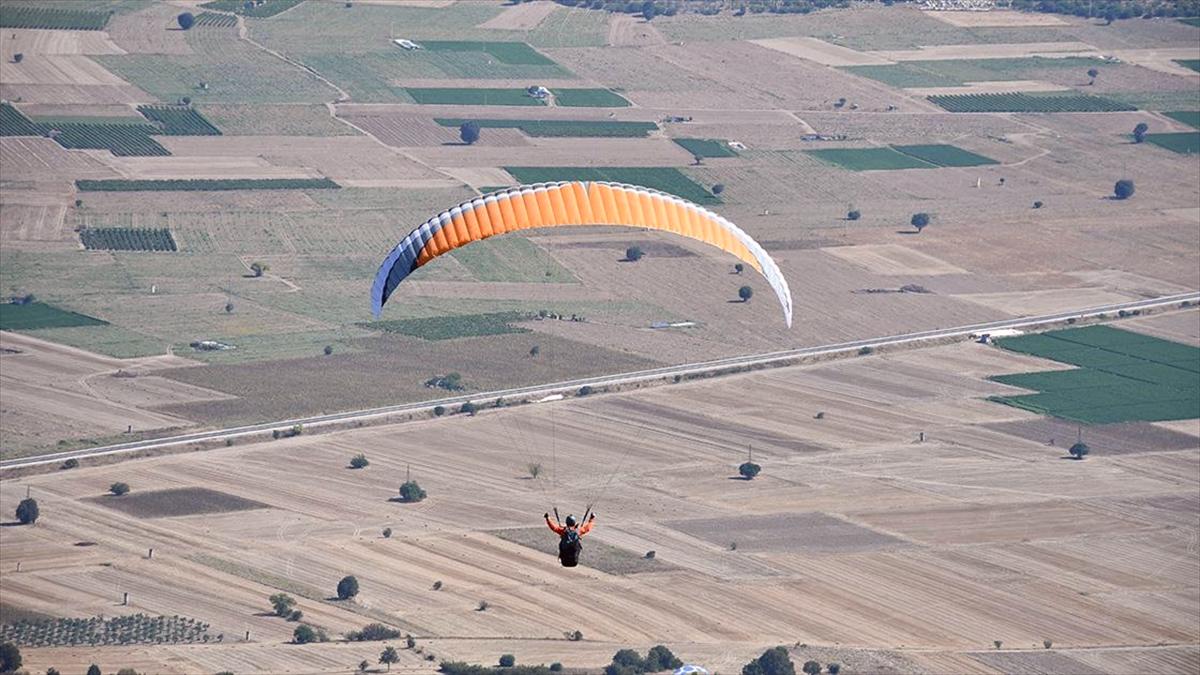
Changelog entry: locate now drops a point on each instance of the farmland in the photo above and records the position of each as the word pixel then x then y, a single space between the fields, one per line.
pixel 122 140
pixel 1184 143
pixel 953 73
pixel 1188 117
pixel 51 18
pixel 179 121
pixel 665 179
pixel 37 315
pixel 561 128
pixel 870 159
pixel 126 239
pixel 514 53
pixel 258 10
pixel 215 20
pixel 944 155
pixel 588 98
pixel 120 185
pixel 1031 102
pixel 452 327
pixel 482 96
pixel 706 147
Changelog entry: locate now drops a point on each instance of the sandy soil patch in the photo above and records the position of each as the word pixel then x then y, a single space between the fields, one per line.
pixel 1176 326
pixel 525 16
pixel 480 176
pixel 822 52
pixel 997 18
pixel 41 42
pixel 625 30
pixel 893 259
pixel 988 88
pixel 1189 427
pixel 164 168
pixel 990 51
pixel 1028 303
pixel 60 69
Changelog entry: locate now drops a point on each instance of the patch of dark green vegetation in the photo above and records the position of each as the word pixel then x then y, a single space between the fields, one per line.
pixel 259 9
pixel 958 72
pixel 1184 142
pixel 706 147
pixel 34 315
pixel 869 159
pixel 127 239
pixel 561 128
pixel 13 123
pixel 174 120
pixel 1192 21
pixel 122 140
pixel 130 629
pixel 472 96
pixel 663 179
pixel 214 20
pixel 512 53
pixel 456 326
pixel 944 155
pixel 1033 102
pixel 1188 117
pixel 1194 64
pixel 51 19
pixel 1121 376
pixel 194 185
pixel 588 98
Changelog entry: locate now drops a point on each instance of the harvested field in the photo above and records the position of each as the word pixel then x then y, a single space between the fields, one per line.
pixel 791 532
pixel 1176 326
pixel 337 158
pixel 276 120
pixel 597 153
pixel 520 17
pixel 1106 439
pixel 628 31
pixel 1046 301
pixel 665 179
pixel 822 52
pixel 893 259
pixel 42 42
pixel 174 502
pixel 999 18
pixel 992 51
pixel 604 557
pixel 1028 102
pixel 60 69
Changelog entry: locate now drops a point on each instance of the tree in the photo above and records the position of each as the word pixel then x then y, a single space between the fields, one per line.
pixel 535 350
pixel 1038 204
pixel 660 658
pixel 508 661
pixel 774 661
pixel 410 641
pixel 283 603
pixel 745 293
pixel 718 188
pixel 439 410
pixel 1124 189
pixel 854 214
pixel 373 632
pixel 1139 132
pixel 411 492
pixel 359 461
pixel 469 132
pixel 483 606
pixel 998 643
pixel 749 470
pixel 347 588
pixel 328 350
pixel 27 511
pixel 633 253
pixel 1079 450
pixel 185 100
pixel 259 268
pixel 469 408
pixel 535 469
pixel 738 268
pixel 10 657
pixel 387 533
pixel 649 11
pixel 920 220
pixel 186 20
pixel 304 634
pixel 1047 644
pixel 119 489
pixel 811 668
pixel 585 390
pixel 1093 74
pixel 18 57
pixel 94 670
pixel 834 668
pixel 296 615
pixel 229 308
pixel 556 667
pixel 388 656
pixel 628 659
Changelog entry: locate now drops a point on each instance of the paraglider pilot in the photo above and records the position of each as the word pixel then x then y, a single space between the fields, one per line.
pixel 569 535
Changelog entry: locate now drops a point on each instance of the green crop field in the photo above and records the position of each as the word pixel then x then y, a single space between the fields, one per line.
pixel 267 8
pixel 869 159
pixel 458 326
pixel 1192 21
pixel 449 96
pixel 706 147
pixel 52 19
pixel 13 123
pixel 35 315
pixel 189 185
pixel 588 98
pixel 1121 376
pixel 123 140
pixel 512 259
pixel 944 155
pixel 561 128
pixel 1188 117
pixel 178 120
pixel 1194 64
pixel 1048 102
pixel 214 20
pixel 958 72
pixel 1184 142
pixel 663 179
pixel 515 53
pixel 127 239
pixel 269 120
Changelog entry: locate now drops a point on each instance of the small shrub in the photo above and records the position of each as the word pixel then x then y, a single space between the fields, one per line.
pixel 584 390
pixel 739 268
pixel 229 308
pixel 508 661
pixel 483 606
pixel 296 615
pixel 469 408
pixel 1079 451
pixel 1047 644
pixel 411 492
pixel 186 20
pixel 718 189
pixel 819 416
pixel 1124 189
pixel 259 268
pixel 78 203
pixel 834 668
pixel 534 469
pixel 328 350
pixel 998 643
pixel 70 463
pixel 865 351
pixel 1037 204
pixel 634 253
pixel 347 588
pixel 387 533
pixel 733 546
pixel 535 350
pixel 650 555
pixel 410 641
pixel 575 636
pixel 438 411
pixel 373 632
pixel 10 657
pixel 749 470
pixel 437 585
pixel 811 668
pixel 119 489
pixel 18 57
pixel 304 634
pixel 359 461
pixel 854 214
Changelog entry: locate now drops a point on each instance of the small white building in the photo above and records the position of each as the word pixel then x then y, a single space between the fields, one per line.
pixel 407 44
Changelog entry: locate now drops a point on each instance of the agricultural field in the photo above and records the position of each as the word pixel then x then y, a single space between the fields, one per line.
pixel 588 98
pixel 959 72
pixel 1184 143
pixel 1194 64
pixel 665 179
pixel 13 123
pixel 258 10
pixel 481 96
pixel 870 159
pixel 275 120
pixel 944 155
pixel 38 315
pixel 1121 376
pixel 215 20
pixel 209 185
pixel 452 327
pixel 46 18
pixel 514 53
pixel 706 147
pixel 1028 102
pixel 1188 117
pixel 122 140
pixel 561 128
pixel 126 239
pixel 178 121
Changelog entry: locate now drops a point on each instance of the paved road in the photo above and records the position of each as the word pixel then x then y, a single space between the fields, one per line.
pixel 570 386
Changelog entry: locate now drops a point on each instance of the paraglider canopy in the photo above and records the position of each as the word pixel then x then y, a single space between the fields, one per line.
pixel 565 204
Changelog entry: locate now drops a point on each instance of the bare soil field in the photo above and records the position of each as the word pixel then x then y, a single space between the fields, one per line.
pixel 822 52
pixel 335 157
pixel 1004 539
pixel 558 152
pixel 521 17
pixel 890 259
pixel 42 42
pixel 998 18
pixel 990 51
pixel 1111 439
pixel 74 94
pixel 628 31
pixel 149 31
pixel 176 502
pixel 60 69
pixel 1177 326
pixel 987 88
pixel 414 131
